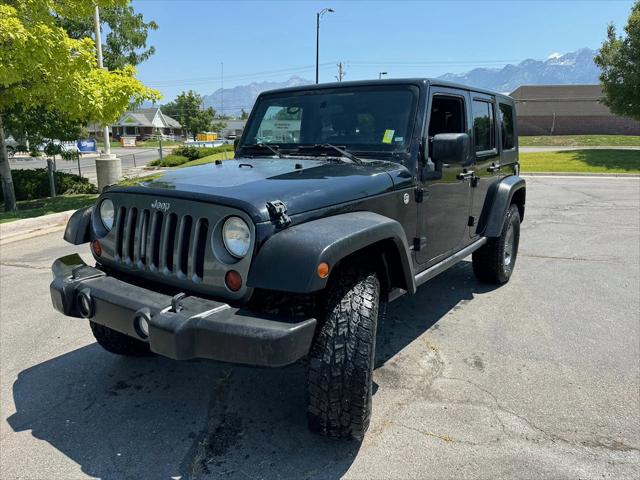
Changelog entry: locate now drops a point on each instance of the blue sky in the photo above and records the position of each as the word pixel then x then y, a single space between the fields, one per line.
pixel 273 40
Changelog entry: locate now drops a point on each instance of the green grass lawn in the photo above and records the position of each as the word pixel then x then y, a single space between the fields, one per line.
pixel 155 143
pixel 580 141
pixel 209 159
pixel 113 143
pixel 582 161
pixel 44 206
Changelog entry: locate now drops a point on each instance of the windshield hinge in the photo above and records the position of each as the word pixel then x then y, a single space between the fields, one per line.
pixel 278 213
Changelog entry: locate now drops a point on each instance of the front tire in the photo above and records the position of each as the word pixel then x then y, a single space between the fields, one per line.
pixel 119 343
pixel 494 261
pixel 339 384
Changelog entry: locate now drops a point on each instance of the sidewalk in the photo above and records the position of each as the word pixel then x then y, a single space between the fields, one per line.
pixel 32 227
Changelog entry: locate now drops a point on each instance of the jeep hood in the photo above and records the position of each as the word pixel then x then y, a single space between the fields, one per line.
pixel 302 184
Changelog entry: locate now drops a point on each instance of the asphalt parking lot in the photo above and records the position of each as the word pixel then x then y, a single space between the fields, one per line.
pixel 536 379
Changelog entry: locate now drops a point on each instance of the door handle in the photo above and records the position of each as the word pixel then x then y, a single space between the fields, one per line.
pixel 494 168
pixel 466 175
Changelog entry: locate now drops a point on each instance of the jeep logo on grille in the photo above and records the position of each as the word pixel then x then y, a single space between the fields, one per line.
pixel 163 206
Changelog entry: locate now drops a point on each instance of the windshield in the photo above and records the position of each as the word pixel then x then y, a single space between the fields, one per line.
pixel 359 119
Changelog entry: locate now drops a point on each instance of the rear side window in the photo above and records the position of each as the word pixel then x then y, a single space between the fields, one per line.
pixel 508 140
pixel 484 126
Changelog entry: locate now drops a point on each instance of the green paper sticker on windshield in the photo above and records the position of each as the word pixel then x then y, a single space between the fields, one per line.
pixel 388 136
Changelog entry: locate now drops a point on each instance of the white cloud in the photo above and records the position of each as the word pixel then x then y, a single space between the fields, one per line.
pixel 554 55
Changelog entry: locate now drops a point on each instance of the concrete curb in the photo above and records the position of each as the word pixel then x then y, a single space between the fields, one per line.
pixel 33 227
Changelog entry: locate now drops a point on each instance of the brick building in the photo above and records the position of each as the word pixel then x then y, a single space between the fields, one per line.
pixel 567 110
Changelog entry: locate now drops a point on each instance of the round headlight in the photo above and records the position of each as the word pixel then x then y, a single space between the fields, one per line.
pixel 236 236
pixel 107 213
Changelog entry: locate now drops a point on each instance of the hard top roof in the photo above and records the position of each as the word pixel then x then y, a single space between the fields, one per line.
pixel 394 81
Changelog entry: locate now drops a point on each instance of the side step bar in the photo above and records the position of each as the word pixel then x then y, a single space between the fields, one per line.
pixel 440 267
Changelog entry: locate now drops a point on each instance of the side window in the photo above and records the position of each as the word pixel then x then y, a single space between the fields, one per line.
pixel 447 116
pixel 484 126
pixel 508 140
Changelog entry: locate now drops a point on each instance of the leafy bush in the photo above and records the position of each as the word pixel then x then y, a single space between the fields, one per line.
pixel 32 184
pixel 191 153
pixel 182 155
pixel 169 161
pixel 81 188
pixel 194 153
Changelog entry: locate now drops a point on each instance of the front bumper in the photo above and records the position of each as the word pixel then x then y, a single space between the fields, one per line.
pixel 197 328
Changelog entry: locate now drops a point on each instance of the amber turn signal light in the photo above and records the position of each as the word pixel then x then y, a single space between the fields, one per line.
pixel 97 248
pixel 233 280
pixel 323 270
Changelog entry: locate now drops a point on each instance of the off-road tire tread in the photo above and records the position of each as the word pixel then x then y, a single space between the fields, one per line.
pixel 487 260
pixel 119 343
pixel 339 382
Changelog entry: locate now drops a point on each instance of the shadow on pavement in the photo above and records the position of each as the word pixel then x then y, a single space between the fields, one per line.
pixel 156 418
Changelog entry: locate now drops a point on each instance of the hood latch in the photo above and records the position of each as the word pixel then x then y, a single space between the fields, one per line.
pixel 278 213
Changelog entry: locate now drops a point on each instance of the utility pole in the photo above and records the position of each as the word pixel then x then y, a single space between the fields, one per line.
pixel 108 166
pixel 221 88
pixel 341 72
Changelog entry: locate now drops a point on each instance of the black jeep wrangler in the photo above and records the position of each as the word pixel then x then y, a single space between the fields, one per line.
pixel 341 197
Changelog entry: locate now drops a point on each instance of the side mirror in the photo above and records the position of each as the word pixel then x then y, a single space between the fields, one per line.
pixel 451 148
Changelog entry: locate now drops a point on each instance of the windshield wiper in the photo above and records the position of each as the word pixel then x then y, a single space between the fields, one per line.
pixel 341 151
pixel 273 148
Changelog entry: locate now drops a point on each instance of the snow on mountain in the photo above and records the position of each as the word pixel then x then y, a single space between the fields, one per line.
pixel 571 68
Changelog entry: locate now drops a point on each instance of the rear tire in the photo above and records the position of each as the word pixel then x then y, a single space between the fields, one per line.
pixel 494 261
pixel 340 372
pixel 119 343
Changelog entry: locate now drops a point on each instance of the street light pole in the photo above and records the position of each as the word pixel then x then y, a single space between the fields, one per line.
pixel 96 20
pixel 380 75
pixel 318 17
pixel 108 166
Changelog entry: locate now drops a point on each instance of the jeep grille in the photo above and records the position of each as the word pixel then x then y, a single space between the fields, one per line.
pixel 161 241
pixel 179 246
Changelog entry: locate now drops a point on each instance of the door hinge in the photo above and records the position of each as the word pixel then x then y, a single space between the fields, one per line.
pixel 419 243
pixel 419 195
pixel 278 213
pixel 471 222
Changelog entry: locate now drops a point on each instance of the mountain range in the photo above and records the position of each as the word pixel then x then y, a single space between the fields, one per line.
pixel 571 68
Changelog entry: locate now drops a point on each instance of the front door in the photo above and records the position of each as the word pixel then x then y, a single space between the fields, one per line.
pixel 444 211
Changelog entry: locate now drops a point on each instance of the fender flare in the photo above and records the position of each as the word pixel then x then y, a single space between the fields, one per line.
pixel 78 229
pixel 496 204
pixel 288 260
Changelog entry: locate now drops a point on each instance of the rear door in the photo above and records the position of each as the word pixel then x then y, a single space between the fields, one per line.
pixel 486 150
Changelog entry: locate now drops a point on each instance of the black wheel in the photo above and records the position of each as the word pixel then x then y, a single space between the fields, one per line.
pixel 119 343
pixel 494 262
pixel 339 384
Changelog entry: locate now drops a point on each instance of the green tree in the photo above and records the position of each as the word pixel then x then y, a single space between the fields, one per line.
pixel 619 59
pixel 243 114
pixel 38 124
pixel 126 44
pixel 126 40
pixel 42 66
pixel 187 109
